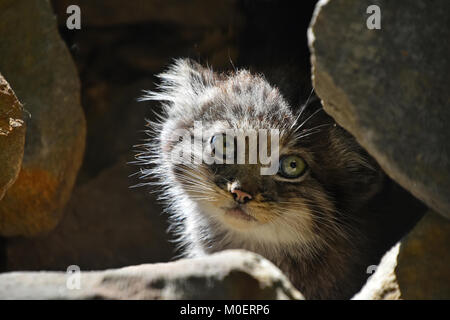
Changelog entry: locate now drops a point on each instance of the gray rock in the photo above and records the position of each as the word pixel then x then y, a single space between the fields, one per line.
pixel 39 67
pixel 416 267
pixel 390 87
pixel 233 274
pixel 12 136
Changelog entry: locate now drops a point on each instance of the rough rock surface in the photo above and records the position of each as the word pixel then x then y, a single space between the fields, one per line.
pixel 233 274
pixel 416 267
pixel 388 87
pixel 38 66
pixel 423 270
pixel 12 136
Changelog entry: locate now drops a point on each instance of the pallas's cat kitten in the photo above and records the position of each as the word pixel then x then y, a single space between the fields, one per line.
pixel 310 218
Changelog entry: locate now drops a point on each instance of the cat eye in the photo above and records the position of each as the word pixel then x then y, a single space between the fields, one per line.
pixel 218 139
pixel 292 166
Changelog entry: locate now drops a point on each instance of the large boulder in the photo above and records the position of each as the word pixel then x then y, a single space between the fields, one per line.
pixel 389 87
pixel 416 267
pixel 233 274
pixel 12 136
pixel 39 67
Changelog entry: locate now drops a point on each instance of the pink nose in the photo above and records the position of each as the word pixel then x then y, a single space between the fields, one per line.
pixel 241 196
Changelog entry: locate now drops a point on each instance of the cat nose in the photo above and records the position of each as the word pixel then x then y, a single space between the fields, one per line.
pixel 241 196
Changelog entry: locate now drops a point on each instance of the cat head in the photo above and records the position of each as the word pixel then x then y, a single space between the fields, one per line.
pixel 321 176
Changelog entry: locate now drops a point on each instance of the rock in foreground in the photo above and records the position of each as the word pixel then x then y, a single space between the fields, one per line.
pixel 416 267
pixel 388 86
pixel 232 274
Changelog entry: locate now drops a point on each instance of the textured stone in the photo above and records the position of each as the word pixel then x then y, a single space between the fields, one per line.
pixel 383 284
pixel 38 66
pixel 415 268
pixel 389 87
pixel 423 270
pixel 233 274
pixel 12 136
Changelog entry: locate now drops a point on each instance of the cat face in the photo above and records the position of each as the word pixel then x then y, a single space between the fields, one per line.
pixel 321 175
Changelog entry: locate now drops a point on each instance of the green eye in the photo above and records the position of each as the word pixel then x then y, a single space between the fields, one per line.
pixel 292 166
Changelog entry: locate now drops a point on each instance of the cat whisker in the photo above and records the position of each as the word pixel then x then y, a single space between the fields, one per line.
pixel 318 127
pixel 302 108
pixel 308 119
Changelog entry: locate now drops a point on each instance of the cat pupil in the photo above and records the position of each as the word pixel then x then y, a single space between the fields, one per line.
pixel 293 164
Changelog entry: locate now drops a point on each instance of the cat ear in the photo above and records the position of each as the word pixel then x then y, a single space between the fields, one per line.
pixel 183 81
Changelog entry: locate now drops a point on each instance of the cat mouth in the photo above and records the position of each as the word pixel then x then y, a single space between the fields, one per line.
pixel 240 213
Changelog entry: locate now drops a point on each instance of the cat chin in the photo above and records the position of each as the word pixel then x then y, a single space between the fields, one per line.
pixel 252 233
pixel 239 220
pixel 230 216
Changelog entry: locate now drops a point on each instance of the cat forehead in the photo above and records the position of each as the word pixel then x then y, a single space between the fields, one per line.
pixel 251 101
pixel 245 125
pixel 245 84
